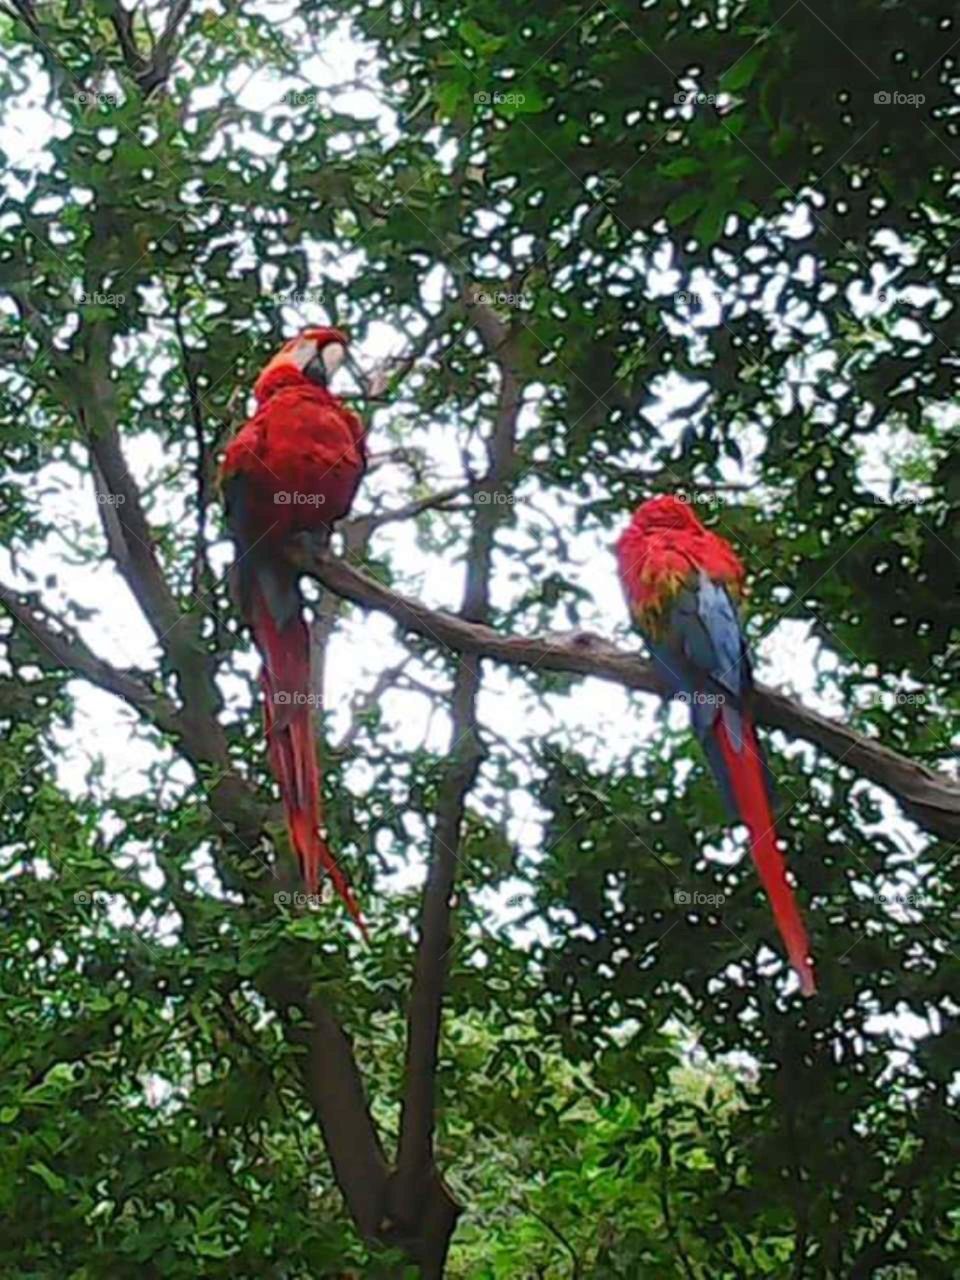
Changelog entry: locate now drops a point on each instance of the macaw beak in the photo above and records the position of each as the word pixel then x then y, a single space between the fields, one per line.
pixel 332 356
pixel 296 353
pixel 316 353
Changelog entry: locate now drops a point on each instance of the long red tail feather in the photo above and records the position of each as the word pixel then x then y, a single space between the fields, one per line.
pixel 291 747
pixel 747 777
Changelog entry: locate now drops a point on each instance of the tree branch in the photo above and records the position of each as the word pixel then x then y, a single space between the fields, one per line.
pixel 930 798
pixel 200 574
pixel 91 393
pixel 577 1271
pixel 335 1091
pixel 165 51
pixel 121 20
pixel 359 528
pixel 331 1077
pixel 69 651
pixel 416 1175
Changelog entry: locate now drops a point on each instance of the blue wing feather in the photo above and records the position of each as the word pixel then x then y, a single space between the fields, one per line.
pixel 700 652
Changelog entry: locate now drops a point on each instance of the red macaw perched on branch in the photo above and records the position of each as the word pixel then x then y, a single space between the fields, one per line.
pixel 293 468
pixel 681 584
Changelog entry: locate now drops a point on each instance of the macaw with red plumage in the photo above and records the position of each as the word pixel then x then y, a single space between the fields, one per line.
pixel 682 584
pixel 292 469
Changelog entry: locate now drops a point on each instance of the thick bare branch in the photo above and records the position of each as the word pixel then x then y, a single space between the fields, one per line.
pixel 152 71
pixel 930 798
pixel 335 1091
pixel 90 392
pixel 92 396
pixel 121 20
pixel 417 1177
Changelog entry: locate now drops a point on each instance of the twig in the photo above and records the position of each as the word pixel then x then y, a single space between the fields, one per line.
pixel 666 1211
pixel 357 530
pixel 577 1271
pixel 201 575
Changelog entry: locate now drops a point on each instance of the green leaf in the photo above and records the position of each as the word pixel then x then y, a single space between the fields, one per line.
pixel 483 42
pixel 710 221
pixel 681 167
pixel 684 207
pixel 743 70
pixel 450 94
pixel 52 1181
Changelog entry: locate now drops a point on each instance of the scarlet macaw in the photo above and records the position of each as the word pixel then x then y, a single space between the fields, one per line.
pixel 293 468
pixel 681 584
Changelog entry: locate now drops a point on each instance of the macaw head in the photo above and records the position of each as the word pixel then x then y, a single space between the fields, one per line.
pixel 665 512
pixel 315 354
pixel 654 555
pixel 651 571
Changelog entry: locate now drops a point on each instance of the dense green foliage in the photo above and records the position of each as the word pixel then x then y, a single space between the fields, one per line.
pixel 751 295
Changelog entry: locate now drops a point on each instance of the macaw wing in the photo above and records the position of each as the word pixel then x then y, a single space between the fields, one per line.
pixel 699 644
pixel 700 653
pixel 732 676
pixel 724 656
pixel 258 568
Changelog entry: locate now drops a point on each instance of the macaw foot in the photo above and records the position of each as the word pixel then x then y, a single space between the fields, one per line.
pixel 313 542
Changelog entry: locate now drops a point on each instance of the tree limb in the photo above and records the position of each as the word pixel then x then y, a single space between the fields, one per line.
pixel 930 798
pixel 359 528
pixel 69 651
pixel 200 574
pixel 417 1180
pixel 331 1077
pixel 577 1271
pixel 163 54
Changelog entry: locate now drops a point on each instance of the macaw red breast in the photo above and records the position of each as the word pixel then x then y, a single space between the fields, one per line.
pixel 302 453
